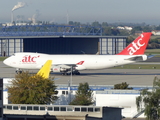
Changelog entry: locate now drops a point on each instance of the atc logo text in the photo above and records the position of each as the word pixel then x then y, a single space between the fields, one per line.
pixel 29 59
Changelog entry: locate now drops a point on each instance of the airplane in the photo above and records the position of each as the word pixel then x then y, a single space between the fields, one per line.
pixel 67 64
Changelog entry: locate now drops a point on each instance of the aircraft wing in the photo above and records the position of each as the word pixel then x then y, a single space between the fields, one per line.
pixel 150 56
pixel 65 65
pixel 68 65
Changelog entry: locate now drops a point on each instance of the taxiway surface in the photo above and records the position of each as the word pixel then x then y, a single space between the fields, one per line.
pixel 137 77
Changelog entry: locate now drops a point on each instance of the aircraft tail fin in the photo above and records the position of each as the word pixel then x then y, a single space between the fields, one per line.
pixel 45 70
pixel 138 46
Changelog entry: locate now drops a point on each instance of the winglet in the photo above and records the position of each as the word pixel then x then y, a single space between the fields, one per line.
pixel 45 70
pixel 138 46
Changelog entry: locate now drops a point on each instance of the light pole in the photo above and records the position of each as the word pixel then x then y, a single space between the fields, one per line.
pixel 69 86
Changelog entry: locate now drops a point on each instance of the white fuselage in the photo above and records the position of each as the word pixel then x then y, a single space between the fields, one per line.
pixel 37 60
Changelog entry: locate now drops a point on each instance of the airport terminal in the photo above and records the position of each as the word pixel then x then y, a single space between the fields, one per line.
pixel 108 102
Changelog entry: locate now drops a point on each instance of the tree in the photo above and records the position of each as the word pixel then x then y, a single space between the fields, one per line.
pixel 115 31
pixel 104 24
pixel 84 95
pixel 130 39
pixel 107 31
pixel 31 89
pixel 122 85
pixel 96 24
pixel 154 45
pixel 137 28
pixel 157 27
pixel 147 28
pixel 150 100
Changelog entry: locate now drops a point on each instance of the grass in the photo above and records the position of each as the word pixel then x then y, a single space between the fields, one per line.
pixel 138 66
pixel 152 37
pixel 2 58
pixel 152 51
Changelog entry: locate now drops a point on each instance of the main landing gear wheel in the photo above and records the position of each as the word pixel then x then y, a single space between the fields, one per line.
pixel 76 73
pixel 73 73
pixel 18 71
pixel 64 73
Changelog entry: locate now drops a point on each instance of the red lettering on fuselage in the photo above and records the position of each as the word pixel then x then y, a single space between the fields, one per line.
pixel 29 59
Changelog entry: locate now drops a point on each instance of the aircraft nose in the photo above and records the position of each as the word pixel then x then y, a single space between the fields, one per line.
pixel 6 61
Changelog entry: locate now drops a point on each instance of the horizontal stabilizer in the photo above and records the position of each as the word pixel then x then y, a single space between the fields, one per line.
pixel 150 56
pixel 136 58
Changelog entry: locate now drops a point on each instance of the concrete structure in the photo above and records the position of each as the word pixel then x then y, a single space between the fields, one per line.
pixel 62 44
pixel 102 96
pixel 58 39
pixel 1 99
pixel 120 98
pixel 45 112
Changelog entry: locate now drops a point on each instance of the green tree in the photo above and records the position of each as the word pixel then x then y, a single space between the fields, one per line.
pixel 104 24
pixel 130 39
pixel 154 45
pixel 122 85
pixel 31 89
pixel 115 31
pixel 124 32
pixel 71 23
pixel 84 95
pixel 136 28
pixel 96 24
pixel 107 31
pixel 147 28
pixel 157 27
pixel 150 101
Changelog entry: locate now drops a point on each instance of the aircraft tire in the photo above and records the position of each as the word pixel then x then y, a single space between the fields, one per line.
pixel 18 71
pixel 78 73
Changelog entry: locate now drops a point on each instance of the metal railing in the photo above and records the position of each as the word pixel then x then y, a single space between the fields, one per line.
pixel 49 30
pixel 54 108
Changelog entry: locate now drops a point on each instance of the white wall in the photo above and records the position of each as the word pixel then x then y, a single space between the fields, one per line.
pixel 126 101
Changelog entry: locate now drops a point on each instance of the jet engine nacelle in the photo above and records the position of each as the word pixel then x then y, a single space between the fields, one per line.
pixel 144 57
pixel 59 69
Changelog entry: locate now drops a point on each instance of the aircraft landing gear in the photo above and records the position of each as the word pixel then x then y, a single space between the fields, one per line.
pixel 18 71
pixel 76 72
pixel 64 73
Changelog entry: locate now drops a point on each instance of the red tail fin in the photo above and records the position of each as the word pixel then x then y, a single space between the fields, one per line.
pixel 138 46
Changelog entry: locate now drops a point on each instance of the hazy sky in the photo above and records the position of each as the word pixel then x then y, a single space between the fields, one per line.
pixel 84 11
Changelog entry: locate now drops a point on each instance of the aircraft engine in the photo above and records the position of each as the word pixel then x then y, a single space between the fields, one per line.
pixel 144 57
pixel 59 69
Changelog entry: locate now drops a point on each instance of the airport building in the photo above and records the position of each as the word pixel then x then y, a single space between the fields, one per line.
pixel 61 112
pixel 104 96
pixel 70 40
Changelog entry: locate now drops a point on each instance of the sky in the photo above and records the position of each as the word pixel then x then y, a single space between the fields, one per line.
pixel 84 11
